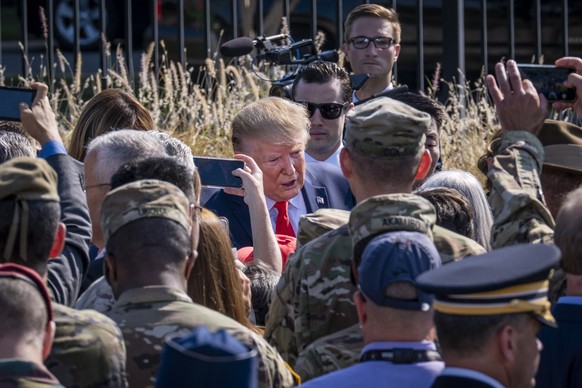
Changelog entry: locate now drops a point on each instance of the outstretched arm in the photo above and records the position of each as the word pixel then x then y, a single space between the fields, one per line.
pixel 518 205
pixel 66 271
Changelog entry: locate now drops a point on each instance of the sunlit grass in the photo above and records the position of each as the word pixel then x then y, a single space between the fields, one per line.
pixel 198 106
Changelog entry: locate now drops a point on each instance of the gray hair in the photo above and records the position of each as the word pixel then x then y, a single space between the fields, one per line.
pixel 466 184
pixel 123 146
pixel 177 149
pixel 15 144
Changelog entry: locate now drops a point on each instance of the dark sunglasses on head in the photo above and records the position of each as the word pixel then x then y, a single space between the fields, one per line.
pixel 381 42
pixel 330 110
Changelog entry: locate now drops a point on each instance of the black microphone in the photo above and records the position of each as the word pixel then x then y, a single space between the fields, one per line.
pixel 237 47
pixel 329 56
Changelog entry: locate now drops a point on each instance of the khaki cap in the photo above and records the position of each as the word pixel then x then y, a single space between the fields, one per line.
pixel 25 179
pixel 386 128
pixel 383 213
pixel 313 225
pixel 148 198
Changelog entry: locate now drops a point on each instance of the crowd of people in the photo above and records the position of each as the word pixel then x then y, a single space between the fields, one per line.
pixel 345 259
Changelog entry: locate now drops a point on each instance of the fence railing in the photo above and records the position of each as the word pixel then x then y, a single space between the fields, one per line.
pixel 461 35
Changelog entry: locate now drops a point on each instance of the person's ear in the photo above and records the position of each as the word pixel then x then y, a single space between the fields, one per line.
pixel 346 163
pixel 59 241
pixel 507 344
pixel 346 51
pixel 396 52
pixel 349 108
pixel 49 336
pixel 110 270
pixel 360 303
pixel 424 165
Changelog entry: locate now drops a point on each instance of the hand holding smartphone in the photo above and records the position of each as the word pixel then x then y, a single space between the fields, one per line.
pixel 549 81
pixel 10 100
pixel 217 172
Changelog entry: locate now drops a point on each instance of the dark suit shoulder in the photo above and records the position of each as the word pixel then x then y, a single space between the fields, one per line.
pixel 234 208
pixel 324 176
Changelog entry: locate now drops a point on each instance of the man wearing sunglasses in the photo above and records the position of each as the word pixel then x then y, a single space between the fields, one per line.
pixel 372 46
pixel 326 91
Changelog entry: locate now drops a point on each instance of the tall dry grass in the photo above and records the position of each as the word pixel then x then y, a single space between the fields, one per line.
pixel 197 107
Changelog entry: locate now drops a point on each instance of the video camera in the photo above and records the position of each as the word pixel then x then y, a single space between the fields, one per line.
pixel 271 50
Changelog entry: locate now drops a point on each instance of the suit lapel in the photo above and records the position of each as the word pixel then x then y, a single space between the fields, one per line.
pixel 315 197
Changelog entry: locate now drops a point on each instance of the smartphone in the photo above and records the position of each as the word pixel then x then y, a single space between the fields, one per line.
pixel 217 172
pixel 10 99
pixel 549 81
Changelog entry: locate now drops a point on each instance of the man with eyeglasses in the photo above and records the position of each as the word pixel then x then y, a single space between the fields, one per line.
pixel 372 46
pixel 326 91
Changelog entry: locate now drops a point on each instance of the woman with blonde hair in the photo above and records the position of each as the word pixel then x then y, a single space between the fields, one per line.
pixel 214 281
pixel 108 110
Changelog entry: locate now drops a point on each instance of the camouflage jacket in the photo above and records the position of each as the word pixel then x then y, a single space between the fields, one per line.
pixel 519 210
pixel 517 202
pixel 330 353
pixel 147 314
pixel 88 349
pixel 314 296
pixel 25 374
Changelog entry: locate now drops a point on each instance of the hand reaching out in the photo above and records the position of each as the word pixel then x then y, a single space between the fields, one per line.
pixel 519 106
pixel 252 178
pixel 574 81
pixel 39 119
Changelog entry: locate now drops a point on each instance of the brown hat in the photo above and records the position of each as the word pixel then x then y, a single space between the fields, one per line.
pixel 562 143
pixel 144 199
pixel 387 128
pixel 25 179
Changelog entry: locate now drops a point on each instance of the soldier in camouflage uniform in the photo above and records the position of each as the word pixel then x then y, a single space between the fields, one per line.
pixel 88 349
pixel 519 185
pixel 384 153
pixel 149 280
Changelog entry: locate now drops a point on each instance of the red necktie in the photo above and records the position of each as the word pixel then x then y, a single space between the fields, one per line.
pixel 283 224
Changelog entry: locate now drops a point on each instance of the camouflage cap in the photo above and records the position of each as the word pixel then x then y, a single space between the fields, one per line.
pixel 25 179
pixel 28 179
pixel 387 128
pixel 313 225
pixel 383 213
pixel 147 198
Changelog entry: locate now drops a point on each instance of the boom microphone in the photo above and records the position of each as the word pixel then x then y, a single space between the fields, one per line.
pixel 237 47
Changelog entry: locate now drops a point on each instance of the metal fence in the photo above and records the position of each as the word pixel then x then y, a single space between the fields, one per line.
pixel 418 17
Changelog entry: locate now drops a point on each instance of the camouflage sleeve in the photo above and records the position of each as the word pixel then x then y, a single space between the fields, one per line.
pixel 331 353
pixel 273 372
pixel 280 324
pixel 517 202
pixel 310 365
pixel 88 350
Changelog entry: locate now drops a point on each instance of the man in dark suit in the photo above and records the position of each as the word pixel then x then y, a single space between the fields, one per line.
pixel 488 311
pixel 561 359
pixel 273 133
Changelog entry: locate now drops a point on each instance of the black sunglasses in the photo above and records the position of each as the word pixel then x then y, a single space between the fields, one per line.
pixel 329 111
